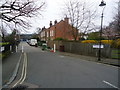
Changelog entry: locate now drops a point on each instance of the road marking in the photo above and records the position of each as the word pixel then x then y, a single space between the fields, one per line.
pixel 62 56
pixel 24 71
pixel 14 73
pixel 22 49
pixel 21 75
pixel 110 84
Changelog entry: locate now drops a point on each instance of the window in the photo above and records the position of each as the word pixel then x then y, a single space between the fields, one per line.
pixel 52 33
pixel 42 34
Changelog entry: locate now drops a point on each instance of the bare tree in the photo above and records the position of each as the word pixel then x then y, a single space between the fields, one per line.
pixel 117 20
pixel 113 30
pixel 17 11
pixel 81 17
pixel 109 32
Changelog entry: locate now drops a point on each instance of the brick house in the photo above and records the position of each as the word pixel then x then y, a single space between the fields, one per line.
pixel 42 34
pixel 60 29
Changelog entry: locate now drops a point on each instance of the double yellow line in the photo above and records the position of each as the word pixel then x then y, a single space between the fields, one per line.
pixel 24 71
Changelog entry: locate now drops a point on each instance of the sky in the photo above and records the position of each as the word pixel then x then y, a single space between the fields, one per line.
pixel 54 11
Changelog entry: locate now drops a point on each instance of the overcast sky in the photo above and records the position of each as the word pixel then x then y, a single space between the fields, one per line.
pixel 54 10
pixel 55 7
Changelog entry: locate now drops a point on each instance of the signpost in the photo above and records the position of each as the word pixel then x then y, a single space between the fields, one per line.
pixel 98 46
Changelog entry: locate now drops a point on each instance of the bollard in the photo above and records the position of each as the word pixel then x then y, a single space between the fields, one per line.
pixel 10 48
pixel 54 48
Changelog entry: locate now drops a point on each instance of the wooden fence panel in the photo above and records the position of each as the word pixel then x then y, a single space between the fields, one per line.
pixel 82 48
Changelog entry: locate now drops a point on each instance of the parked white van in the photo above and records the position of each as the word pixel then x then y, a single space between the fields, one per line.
pixel 33 42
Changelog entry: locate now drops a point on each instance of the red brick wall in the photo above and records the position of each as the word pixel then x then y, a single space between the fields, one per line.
pixel 63 30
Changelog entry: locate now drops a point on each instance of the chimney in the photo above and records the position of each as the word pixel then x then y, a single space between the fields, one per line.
pixel 43 28
pixel 66 19
pixel 55 22
pixel 50 23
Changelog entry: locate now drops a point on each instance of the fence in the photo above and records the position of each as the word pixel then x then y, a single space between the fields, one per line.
pixel 6 48
pixel 84 48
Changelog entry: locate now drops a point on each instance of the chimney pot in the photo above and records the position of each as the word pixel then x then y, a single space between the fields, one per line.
pixel 55 22
pixel 50 23
pixel 66 19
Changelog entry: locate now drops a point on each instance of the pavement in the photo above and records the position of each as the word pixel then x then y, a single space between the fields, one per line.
pixel 115 62
pixel 10 67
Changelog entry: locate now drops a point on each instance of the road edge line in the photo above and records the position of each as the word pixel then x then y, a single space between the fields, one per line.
pixel 22 75
pixel 14 73
pixel 110 84
pixel 25 67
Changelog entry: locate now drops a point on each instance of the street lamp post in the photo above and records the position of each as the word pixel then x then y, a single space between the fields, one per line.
pixel 99 52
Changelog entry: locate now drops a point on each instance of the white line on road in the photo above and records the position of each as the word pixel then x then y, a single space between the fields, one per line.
pixel 24 68
pixel 22 49
pixel 110 84
pixel 62 56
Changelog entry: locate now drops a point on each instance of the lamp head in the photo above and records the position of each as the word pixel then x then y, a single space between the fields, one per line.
pixel 102 3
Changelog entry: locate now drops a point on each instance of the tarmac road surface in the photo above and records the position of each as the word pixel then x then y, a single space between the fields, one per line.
pixel 51 70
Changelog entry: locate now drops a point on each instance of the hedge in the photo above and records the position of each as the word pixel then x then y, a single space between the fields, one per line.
pixel 113 43
pixel 107 41
pixel 4 43
pixel 116 43
pixel 89 41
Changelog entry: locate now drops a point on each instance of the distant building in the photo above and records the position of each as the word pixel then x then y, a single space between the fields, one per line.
pixel 60 29
pixel 25 37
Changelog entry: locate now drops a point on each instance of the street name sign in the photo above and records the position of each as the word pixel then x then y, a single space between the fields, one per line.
pixel 98 46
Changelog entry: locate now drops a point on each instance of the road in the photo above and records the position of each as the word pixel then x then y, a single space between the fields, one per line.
pixel 46 69
pixel 52 70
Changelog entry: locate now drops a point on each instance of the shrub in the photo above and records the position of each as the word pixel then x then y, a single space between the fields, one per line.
pixel 89 41
pixel 58 39
pixel 116 43
pixel 4 43
pixel 107 41
pixel 5 54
